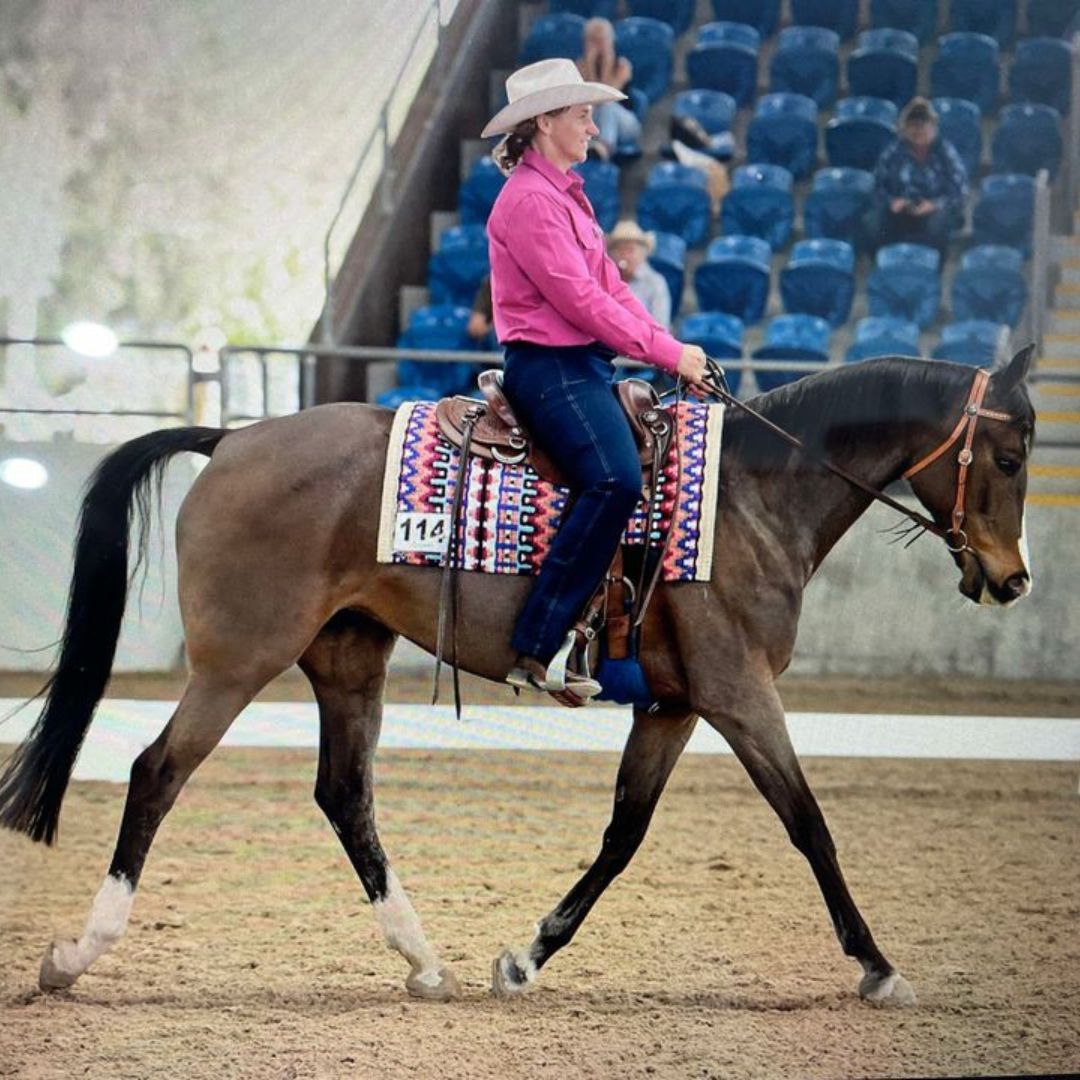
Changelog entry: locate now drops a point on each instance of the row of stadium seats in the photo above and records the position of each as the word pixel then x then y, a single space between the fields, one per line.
pixel 884 63
pixel 791 337
pixel 996 18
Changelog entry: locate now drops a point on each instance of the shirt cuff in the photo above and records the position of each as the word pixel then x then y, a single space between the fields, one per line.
pixel 666 353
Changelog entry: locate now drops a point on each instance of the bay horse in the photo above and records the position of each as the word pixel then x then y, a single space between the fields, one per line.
pixel 276 544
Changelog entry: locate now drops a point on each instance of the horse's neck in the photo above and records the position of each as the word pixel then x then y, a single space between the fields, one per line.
pixel 870 422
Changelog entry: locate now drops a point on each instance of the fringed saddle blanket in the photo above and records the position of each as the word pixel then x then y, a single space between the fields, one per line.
pixel 509 515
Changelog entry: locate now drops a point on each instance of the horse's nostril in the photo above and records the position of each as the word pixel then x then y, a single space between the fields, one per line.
pixel 1016 584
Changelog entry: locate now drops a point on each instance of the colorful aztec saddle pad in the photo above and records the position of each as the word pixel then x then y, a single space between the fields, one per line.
pixel 509 515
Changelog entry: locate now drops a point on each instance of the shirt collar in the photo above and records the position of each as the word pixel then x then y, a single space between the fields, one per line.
pixel 564 181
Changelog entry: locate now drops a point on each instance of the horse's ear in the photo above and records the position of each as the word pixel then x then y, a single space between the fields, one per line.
pixel 1016 370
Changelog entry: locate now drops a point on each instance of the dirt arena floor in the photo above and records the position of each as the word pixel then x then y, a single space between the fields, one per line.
pixel 252 952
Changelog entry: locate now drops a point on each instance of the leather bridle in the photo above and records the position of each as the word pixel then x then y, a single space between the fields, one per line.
pixel 955 538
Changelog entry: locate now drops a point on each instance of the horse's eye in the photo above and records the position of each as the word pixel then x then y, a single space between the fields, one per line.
pixel 1009 466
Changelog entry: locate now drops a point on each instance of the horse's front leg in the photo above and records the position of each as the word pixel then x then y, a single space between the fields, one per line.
pixel 653 747
pixel 752 721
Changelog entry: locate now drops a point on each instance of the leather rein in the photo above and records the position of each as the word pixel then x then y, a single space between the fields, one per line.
pixel 955 538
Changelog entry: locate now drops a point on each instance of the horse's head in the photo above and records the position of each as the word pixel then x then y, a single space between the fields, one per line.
pixel 982 504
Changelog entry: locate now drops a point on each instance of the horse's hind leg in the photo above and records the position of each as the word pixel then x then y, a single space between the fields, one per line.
pixel 654 745
pixel 347 667
pixel 208 706
pixel 753 724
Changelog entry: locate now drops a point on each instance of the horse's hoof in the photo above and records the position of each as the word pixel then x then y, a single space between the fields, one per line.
pixel 508 978
pixel 890 989
pixel 433 986
pixel 52 975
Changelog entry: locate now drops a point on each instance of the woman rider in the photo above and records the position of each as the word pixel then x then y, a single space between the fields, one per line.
pixel 562 314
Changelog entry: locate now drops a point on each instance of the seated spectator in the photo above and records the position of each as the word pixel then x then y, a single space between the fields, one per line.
pixel 920 182
pixel 630 247
pixel 600 64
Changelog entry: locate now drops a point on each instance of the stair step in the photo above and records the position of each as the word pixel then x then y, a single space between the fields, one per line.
pixel 441 220
pixel 1061 347
pixel 1064 320
pixel 1053 498
pixel 1070 273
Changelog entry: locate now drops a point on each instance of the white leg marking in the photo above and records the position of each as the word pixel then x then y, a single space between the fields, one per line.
pixel 401 928
pixel 108 920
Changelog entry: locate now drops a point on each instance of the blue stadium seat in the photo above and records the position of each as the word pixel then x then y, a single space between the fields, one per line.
pixel 974 342
pixel 762 15
pixel 1050 18
pixel 905 283
pixel 989 285
pixel 885 64
pixel 967 66
pixel 675 199
pixel 997 18
pixel 725 58
pixel 647 44
pixel 961 124
pixel 784 132
pixel 734 277
pixel 837 205
pixel 588 9
pixel 1042 72
pixel 669 258
pixel 860 130
pixel 806 62
pixel 1004 210
pixel 712 109
pixel 839 15
pixel 558 35
pixel 439 326
pixel 678 14
pixel 479 191
pixel 1027 139
pixel 719 335
pixel 799 338
pixel 602 190
pixel 883 335
pixel 820 280
pixel 918 17
pixel 760 204
pixel 457 268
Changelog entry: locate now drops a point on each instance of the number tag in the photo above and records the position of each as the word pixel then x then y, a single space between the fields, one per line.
pixel 420 532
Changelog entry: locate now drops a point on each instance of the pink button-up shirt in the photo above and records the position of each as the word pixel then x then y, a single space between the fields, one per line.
pixel 552 282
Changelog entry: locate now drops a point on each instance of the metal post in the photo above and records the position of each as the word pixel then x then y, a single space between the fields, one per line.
pixel 1040 257
pixel 1072 142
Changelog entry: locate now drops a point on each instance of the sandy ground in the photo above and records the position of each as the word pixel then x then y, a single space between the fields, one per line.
pixel 253 954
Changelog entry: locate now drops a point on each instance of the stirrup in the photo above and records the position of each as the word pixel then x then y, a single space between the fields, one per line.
pixel 556 679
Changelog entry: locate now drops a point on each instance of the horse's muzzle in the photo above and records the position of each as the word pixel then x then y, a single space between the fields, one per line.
pixel 981 588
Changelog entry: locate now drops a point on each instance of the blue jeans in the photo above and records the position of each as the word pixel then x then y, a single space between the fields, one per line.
pixel 617 124
pixel 564 397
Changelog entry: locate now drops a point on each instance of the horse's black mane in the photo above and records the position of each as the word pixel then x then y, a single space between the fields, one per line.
pixel 831 408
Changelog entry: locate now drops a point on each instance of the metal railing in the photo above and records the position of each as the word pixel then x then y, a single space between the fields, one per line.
pixel 381 139
pixel 192 377
pixel 1071 186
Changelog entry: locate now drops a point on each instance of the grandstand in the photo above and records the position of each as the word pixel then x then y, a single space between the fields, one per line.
pixel 811 97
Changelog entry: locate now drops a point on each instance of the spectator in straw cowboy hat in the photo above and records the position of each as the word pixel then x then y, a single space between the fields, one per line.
pixel 630 246
pixel 562 314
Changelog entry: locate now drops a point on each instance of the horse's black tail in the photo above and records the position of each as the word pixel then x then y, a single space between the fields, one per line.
pixel 34 780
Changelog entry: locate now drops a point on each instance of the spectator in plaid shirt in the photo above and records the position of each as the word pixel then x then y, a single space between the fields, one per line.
pixel 921 183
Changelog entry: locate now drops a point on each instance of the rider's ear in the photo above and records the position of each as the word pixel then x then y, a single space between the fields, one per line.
pixel 1016 370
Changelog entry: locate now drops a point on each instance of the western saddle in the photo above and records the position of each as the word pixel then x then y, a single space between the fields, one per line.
pixel 488 429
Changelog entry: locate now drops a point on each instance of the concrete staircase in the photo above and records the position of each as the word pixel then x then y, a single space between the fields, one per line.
pixel 1055 469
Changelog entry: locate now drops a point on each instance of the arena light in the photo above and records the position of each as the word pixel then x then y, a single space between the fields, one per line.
pixel 90 339
pixel 24 473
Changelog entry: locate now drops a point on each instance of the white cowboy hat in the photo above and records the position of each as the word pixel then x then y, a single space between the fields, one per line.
pixel 628 231
pixel 542 87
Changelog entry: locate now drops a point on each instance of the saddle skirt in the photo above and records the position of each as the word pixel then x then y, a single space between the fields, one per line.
pixel 510 513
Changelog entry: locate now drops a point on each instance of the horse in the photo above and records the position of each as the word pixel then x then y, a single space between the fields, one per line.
pixel 276 545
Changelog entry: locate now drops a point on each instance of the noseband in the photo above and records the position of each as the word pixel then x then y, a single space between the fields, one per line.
pixel 955 538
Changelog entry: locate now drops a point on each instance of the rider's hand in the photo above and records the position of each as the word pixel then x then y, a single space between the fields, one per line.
pixel 692 365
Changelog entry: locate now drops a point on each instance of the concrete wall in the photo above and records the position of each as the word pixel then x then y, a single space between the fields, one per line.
pixel 873 609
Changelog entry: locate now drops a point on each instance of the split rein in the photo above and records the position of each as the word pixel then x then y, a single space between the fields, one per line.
pixel 955 538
